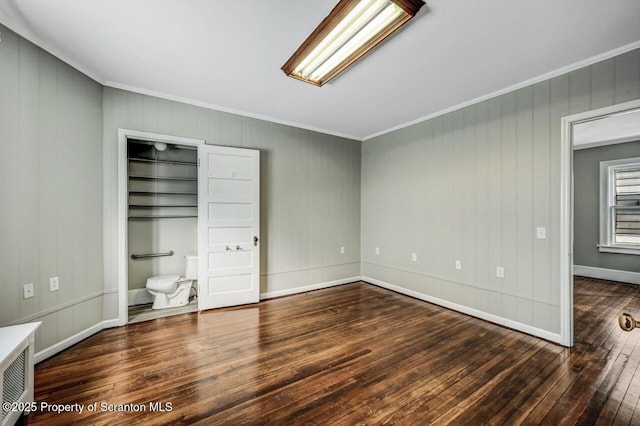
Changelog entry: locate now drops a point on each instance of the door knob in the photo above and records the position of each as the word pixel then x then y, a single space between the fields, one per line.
pixel 227 248
pixel 238 248
pixel 627 322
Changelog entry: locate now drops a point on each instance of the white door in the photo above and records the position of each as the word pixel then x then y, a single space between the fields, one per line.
pixel 228 226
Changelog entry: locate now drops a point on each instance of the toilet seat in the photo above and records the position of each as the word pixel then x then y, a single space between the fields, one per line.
pixel 169 291
pixel 163 283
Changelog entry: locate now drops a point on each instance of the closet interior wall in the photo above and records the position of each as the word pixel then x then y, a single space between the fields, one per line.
pixel 162 213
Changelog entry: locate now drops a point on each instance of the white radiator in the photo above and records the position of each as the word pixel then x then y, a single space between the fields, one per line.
pixel 16 370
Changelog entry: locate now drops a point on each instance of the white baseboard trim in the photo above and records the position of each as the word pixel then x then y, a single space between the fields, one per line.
pixel 139 296
pixel 69 341
pixel 295 290
pixel 607 274
pixel 111 323
pixel 534 331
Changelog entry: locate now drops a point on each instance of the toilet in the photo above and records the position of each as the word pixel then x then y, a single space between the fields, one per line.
pixel 170 291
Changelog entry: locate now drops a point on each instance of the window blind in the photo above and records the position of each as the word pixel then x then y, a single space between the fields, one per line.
pixel 627 208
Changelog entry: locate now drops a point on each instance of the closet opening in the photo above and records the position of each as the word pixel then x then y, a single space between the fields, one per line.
pixel 162 229
pixel 188 226
pixel 157 225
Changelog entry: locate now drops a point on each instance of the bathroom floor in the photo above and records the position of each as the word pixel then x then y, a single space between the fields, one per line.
pixel 141 313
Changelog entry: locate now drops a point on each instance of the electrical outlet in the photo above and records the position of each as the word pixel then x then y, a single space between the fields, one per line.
pixel 414 257
pixel 377 250
pixel 458 264
pixel 500 272
pixel 28 290
pixel 341 250
pixel 54 284
pixel 541 233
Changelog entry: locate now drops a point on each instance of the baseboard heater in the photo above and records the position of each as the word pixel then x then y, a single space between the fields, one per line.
pixel 16 370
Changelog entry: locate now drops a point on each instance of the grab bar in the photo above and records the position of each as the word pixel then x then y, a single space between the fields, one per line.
pixel 144 256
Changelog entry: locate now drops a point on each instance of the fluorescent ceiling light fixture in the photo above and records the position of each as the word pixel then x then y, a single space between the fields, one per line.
pixel 353 28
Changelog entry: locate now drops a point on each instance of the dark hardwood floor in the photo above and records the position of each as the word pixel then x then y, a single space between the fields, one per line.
pixel 347 355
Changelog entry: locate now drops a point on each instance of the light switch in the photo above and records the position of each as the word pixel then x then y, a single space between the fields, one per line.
pixel 541 233
pixel 341 250
pixel 377 250
pixel 414 257
pixel 458 264
pixel 500 272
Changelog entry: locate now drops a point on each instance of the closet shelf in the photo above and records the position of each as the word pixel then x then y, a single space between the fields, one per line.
pixel 175 192
pixel 161 217
pixel 161 193
pixel 136 177
pixel 148 160
pixel 148 206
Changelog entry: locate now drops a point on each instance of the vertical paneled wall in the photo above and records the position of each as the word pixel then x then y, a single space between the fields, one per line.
pixel 51 192
pixel 473 185
pixel 310 188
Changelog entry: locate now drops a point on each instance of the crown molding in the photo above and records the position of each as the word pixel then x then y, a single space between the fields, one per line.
pixel 215 107
pixel 547 76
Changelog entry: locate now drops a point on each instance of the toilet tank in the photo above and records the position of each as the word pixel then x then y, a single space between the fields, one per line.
pixel 191 271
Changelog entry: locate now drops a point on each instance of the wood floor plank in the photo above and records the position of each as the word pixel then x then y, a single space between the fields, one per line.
pixel 514 390
pixel 445 362
pixel 396 368
pixel 352 354
pixel 628 406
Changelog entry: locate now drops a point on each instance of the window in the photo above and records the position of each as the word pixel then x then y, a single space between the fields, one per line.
pixel 620 206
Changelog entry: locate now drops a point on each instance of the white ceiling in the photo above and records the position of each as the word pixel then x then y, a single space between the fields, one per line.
pixel 227 54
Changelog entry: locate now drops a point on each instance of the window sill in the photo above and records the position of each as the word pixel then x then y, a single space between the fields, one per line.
pixel 619 249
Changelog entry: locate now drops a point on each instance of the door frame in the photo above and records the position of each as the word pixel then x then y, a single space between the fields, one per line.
pixel 123 204
pixel 566 209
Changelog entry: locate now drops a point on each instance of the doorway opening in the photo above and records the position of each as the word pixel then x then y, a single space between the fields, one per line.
pixel 162 229
pixel 597 130
pixel 158 213
pixel 187 212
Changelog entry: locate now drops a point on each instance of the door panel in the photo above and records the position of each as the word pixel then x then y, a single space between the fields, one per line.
pixel 228 220
pixel 231 260
pixel 238 190
pixel 242 235
pixel 231 287
pixel 230 211
pixel 231 166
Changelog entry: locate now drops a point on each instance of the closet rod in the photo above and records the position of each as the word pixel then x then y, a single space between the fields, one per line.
pixel 146 255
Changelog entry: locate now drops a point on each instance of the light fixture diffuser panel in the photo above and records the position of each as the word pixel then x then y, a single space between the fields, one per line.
pixel 352 29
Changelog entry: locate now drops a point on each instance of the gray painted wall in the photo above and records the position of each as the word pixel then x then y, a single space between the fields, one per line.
pixel 473 185
pixel 586 193
pixel 310 188
pixel 51 210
